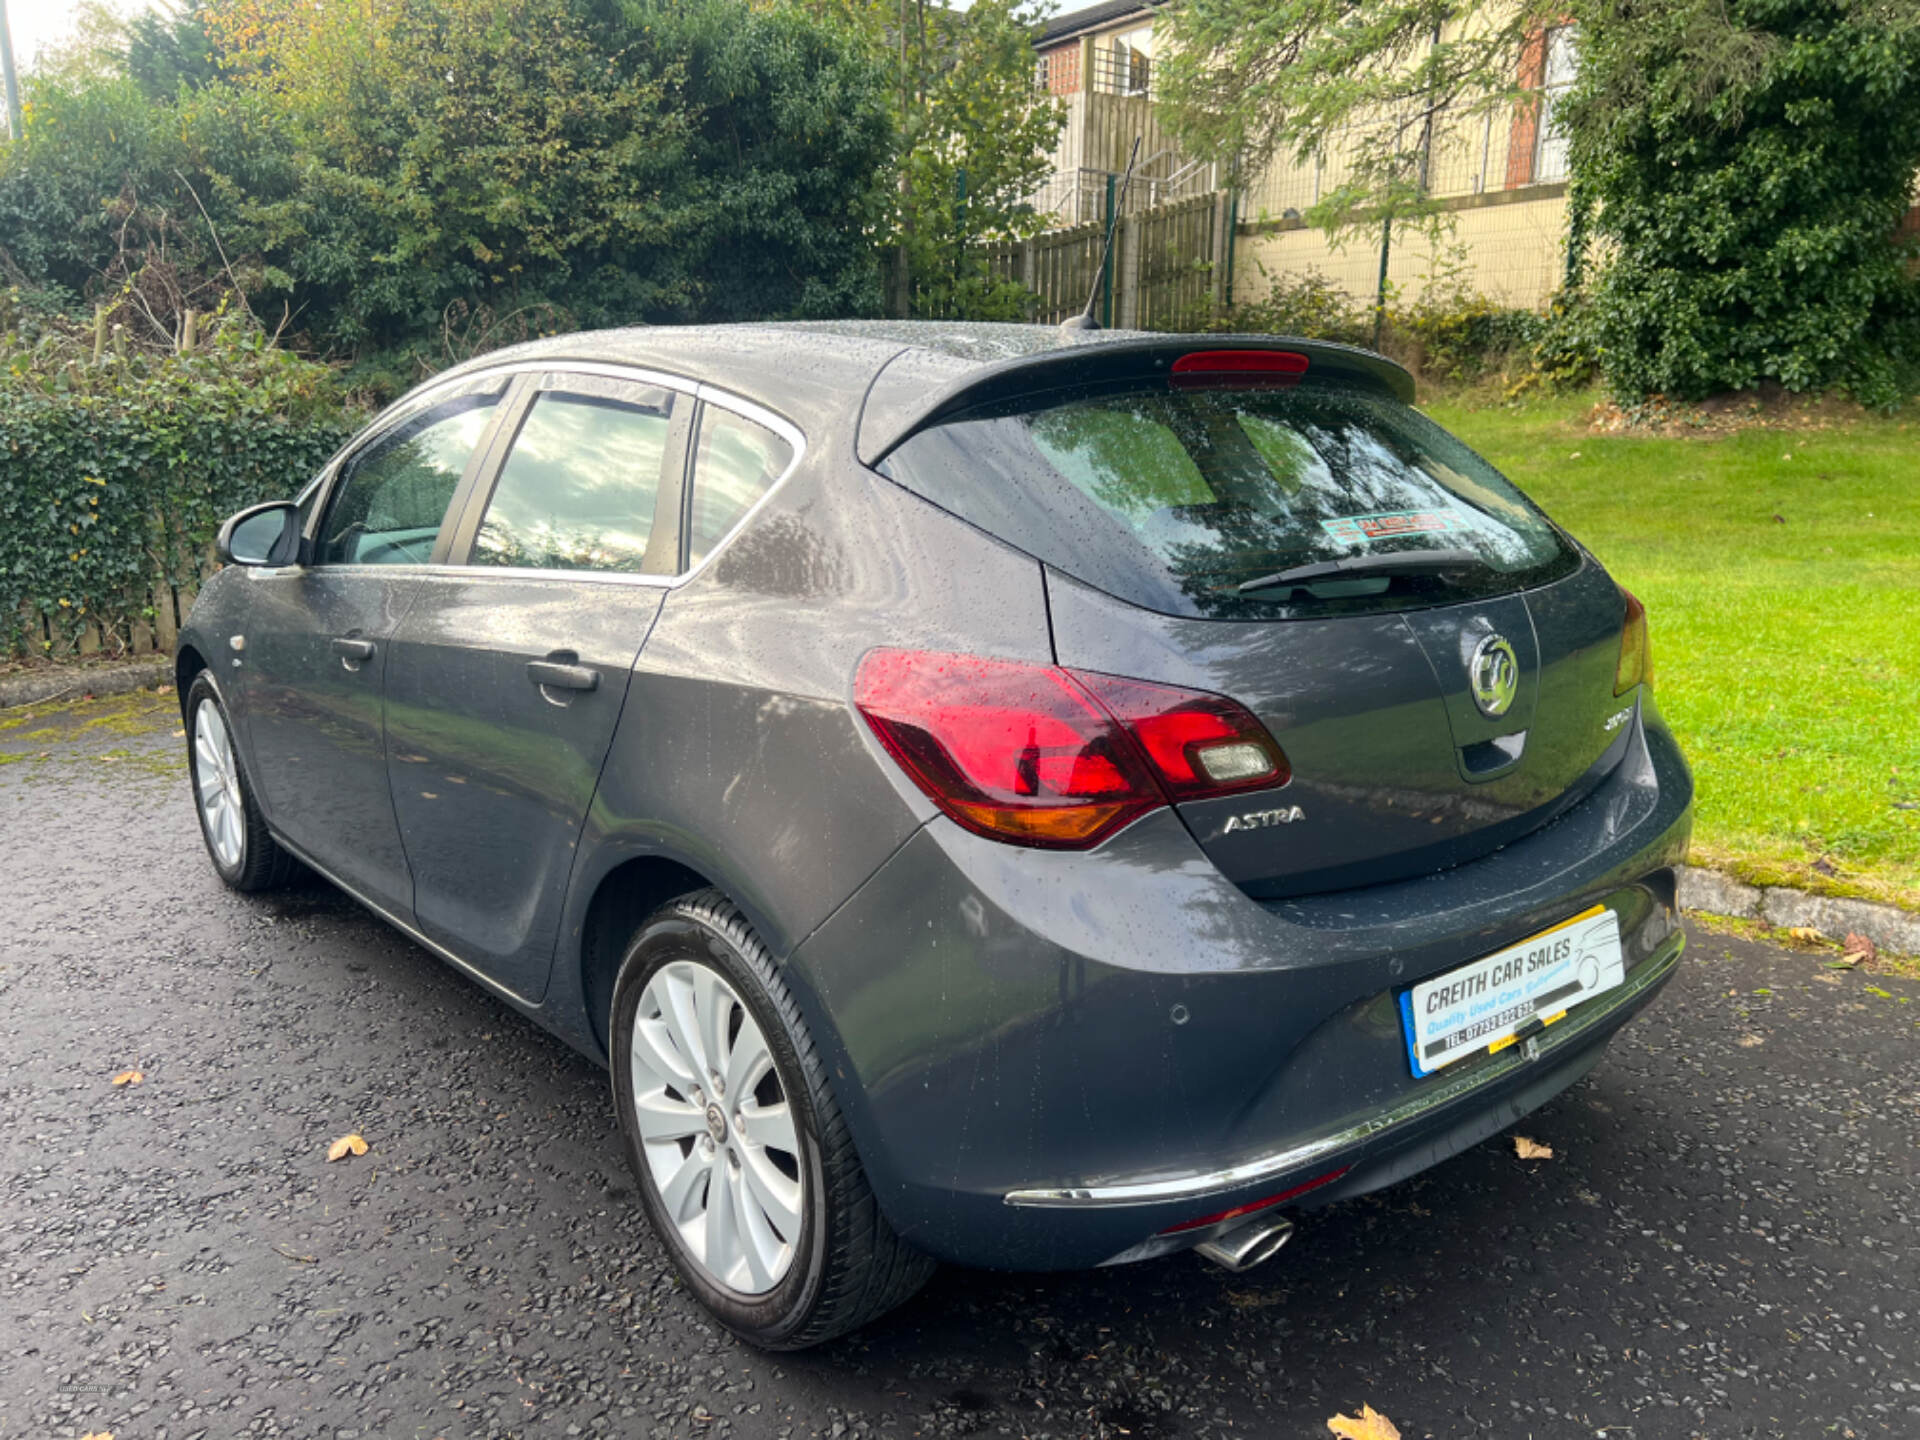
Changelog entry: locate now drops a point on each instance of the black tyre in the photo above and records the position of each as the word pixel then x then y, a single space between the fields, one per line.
pixel 244 855
pixel 744 1162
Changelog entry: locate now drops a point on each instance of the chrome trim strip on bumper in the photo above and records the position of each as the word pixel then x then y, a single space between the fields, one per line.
pixel 1187 1187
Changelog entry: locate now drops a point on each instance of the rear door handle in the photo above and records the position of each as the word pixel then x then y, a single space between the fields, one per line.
pixel 352 651
pixel 555 676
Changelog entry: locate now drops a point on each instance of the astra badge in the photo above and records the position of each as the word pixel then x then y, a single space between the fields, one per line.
pixel 1494 674
pixel 1261 819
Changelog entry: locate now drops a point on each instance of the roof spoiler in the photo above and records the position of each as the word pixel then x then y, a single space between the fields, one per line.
pixel 919 388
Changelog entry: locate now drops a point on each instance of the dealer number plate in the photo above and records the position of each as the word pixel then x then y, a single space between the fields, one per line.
pixel 1484 1005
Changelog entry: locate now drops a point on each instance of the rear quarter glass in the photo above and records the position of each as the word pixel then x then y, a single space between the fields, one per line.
pixel 1171 498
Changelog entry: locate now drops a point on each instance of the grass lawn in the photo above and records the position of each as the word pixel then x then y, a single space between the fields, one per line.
pixel 1781 572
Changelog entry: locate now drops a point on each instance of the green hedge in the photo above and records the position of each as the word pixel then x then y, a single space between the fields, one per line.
pixel 115 474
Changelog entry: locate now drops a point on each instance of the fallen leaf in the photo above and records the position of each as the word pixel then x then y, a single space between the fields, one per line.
pixel 1859 947
pixel 1369 1424
pixel 129 1077
pixel 178 733
pixel 1747 1042
pixel 346 1145
pixel 98 1435
pixel 1531 1149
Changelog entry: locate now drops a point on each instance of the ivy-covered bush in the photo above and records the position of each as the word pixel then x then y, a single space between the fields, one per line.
pixel 1746 164
pixel 115 474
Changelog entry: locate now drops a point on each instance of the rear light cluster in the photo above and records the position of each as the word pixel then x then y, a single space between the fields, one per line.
pixel 1636 652
pixel 1041 755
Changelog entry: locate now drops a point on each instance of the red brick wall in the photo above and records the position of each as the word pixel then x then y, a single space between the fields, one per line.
pixel 1063 68
pixel 1526 115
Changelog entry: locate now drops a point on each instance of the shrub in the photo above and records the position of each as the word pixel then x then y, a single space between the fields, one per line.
pixel 369 174
pixel 1307 304
pixel 115 475
pixel 1454 334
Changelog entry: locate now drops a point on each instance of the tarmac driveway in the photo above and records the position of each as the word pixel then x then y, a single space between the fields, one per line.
pixel 1726 1242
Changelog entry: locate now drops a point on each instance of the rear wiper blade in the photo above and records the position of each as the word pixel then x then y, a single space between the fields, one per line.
pixel 1359 567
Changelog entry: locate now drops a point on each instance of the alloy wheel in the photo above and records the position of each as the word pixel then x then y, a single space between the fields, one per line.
pixel 216 777
pixel 716 1127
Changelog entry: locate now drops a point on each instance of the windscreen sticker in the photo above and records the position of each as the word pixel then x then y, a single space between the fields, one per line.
pixel 1362 529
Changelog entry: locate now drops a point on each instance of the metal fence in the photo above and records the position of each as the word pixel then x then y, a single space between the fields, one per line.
pixel 1467 155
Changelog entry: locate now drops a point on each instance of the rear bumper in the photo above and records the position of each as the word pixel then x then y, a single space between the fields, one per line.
pixel 1048 1058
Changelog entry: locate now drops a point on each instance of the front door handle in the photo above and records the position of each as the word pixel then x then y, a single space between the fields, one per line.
pixel 353 653
pixel 555 676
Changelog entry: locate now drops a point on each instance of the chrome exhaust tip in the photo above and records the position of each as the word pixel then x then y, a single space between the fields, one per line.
pixel 1252 1242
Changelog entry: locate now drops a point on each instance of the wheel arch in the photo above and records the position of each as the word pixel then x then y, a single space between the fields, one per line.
pixel 188 662
pixel 630 891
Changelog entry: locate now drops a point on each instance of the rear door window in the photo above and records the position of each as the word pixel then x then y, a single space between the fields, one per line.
pixel 582 482
pixel 736 461
pixel 1174 498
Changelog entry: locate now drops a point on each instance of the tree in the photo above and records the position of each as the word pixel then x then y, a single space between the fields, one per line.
pixel 1245 80
pixel 1747 164
pixel 972 143
pixel 168 50
pixel 978 143
pixel 409 181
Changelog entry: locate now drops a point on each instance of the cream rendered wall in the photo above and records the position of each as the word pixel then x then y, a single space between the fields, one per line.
pixel 1512 252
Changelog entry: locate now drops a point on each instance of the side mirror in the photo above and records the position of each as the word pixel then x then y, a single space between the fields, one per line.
pixel 266 534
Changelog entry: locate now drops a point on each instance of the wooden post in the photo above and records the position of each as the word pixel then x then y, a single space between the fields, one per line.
pixel 189 330
pixel 99 332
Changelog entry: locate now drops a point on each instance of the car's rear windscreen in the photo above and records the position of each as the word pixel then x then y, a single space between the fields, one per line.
pixel 1177 498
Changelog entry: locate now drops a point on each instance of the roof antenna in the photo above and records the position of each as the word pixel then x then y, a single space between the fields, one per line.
pixel 1084 320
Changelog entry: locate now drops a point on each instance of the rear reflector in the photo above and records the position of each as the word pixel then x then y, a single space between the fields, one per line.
pixel 1237 1211
pixel 1636 651
pixel 1038 755
pixel 1285 366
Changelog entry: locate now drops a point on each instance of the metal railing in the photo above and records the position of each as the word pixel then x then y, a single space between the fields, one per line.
pixel 1118 70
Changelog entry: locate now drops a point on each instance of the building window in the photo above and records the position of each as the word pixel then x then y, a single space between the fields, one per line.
pixel 1123 63
pixel 1537 146
pixel 1562 63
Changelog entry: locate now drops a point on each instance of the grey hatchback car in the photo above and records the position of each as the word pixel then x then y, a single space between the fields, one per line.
pixel 1024 798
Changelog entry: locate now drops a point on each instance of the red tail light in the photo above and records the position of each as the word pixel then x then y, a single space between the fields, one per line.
pixel 1199 744
pixel 1038 755
pixel 1636 651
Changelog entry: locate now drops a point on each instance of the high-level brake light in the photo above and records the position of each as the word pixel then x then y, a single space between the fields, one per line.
pixel 1239 367
pixel 1045 756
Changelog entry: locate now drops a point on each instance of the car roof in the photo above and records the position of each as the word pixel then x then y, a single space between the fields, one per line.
pixel 893 376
